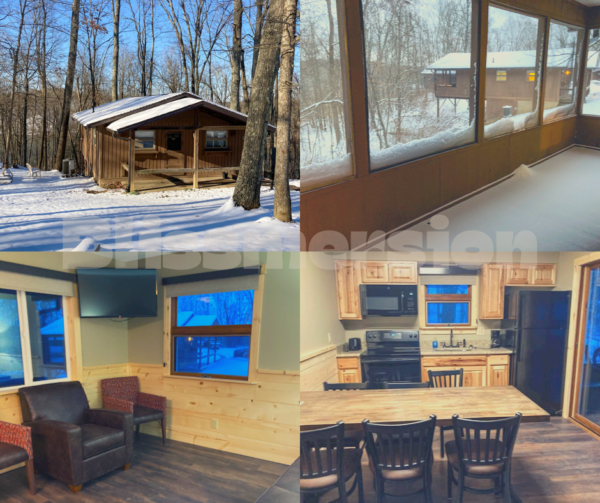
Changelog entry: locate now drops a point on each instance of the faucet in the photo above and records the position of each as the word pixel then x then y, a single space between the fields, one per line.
pixel 452 345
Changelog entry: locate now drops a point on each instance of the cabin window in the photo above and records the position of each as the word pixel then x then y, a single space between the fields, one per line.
pixel 216 140
pixel 409 117
pixel 144 140
pixel 565 49
pixel 448 305
pixel 174 142
pixel 211 334
pixel 32 342
pixel 591 102
pixel 511 104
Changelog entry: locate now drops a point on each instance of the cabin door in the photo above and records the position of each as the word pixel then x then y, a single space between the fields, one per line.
pixel 175 154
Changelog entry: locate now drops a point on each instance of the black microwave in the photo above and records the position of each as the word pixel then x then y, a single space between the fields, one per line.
pixel 388 300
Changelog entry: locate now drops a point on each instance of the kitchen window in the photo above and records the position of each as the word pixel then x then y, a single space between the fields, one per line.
pixel 216 140
pixel 144 140
pixel 211 334
pixel 501 76
pixel 530 76
pixel 32 340
pixel 448 305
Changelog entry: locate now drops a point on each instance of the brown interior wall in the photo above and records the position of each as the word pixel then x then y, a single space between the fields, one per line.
pixel 115 151
pixel 388 199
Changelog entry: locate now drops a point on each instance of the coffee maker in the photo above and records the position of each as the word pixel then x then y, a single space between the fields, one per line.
pixel 495 339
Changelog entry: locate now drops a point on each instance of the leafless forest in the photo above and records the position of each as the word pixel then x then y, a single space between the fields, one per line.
pixel 125 48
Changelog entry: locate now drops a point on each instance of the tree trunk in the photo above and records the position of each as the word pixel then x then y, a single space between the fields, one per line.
pixel 236 55
pixel 9 117
pixel 43 162
pixel 244 108
pixel 115 60
pixel 66 109
pixel 25 103
pixel 247 187
pixel 283 203
pixel 257 34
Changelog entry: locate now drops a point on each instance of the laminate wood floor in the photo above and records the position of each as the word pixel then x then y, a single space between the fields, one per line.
pixel 553 462
pixel 174 473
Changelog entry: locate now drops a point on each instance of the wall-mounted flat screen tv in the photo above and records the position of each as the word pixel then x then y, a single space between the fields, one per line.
pixel 117 293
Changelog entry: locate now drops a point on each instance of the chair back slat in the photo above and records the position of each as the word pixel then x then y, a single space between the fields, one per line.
pixel 322 451
pixel 405 385
pixel 481 442
pixel 399 446
pixel 345 386
pixel 446 378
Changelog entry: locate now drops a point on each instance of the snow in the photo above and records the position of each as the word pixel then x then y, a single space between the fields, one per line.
pixel 55 213
pixel 403 152
pixel 555 208
pixel 154 113
pixel 559 112
pixel 557 58
pixel 322 173
pixel 511 124
pixel 592 101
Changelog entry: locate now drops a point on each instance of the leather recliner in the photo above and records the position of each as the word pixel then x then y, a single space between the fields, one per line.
pixel 72 442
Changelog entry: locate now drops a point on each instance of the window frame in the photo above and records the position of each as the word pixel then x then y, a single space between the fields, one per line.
pixel 142 149
pixel 453 298
pixel 213 149
pixel 26 343
pixel 253 331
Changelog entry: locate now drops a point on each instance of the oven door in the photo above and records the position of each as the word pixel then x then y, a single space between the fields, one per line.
pixel 388 300
pixel 378 371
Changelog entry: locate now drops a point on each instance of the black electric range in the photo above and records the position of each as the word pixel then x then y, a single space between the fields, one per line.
pixel 392 356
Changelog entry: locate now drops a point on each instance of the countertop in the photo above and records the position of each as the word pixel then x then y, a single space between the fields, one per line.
pixel 350 354
pixel 472 352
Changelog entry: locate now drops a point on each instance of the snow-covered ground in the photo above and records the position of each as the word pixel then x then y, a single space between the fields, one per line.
pixel 54 213
pixel 592 102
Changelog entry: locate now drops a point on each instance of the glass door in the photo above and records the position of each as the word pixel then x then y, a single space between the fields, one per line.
pixel 587 409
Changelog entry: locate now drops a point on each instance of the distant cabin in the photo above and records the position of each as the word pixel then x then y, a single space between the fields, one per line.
pixel 511 80
pixel 161 130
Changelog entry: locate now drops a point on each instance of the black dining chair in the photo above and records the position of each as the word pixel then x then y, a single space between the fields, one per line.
pixel 327 463
pixel 482 450
pixel 353 437
pixel 445 379
pixel 354 386
pixel 405 385
pixel 402 454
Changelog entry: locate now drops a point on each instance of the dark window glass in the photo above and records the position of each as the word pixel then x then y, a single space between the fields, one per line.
pixel 213 356
pixel 47 336
pixel 11 356
pixel 226 308
pixel 447 289
pixel 443 313
pixel 174 141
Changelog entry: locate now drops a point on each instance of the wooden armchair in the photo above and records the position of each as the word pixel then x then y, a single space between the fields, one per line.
pixel 15 448
pixel 123 393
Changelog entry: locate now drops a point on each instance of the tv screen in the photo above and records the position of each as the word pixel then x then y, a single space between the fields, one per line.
pixel 117 293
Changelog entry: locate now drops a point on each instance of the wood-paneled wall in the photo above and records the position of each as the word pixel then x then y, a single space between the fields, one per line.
pixel 260 420
pixel 317 368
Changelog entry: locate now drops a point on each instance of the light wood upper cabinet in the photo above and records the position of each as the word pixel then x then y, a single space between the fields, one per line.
pixel 543 275
pixel 403 272
pixel 491 292
pixel 348 293
pixel 374 272
pixel 518 275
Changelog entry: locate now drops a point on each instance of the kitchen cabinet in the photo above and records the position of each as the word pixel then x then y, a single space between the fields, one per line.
pixel 403 272
pixel 348 293
pixel 349 370
pixel 478 370
pixel 530 275
pixel 517 274
pixel 374 272
pixel 491 292
pixel 544 275
pixel 351 274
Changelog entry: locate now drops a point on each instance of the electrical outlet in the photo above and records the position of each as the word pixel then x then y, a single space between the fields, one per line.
pixel 214 424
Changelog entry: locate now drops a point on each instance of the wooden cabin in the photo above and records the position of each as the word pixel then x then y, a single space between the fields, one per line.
pixel 511 80
pixel 175 136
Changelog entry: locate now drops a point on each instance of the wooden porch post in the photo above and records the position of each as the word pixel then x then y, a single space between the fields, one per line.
pixel 131 172
pixel 196 151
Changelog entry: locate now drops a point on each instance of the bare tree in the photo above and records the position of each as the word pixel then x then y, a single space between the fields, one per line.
pixel 247 188
pixel 236 55
pixel 116 12
pixel 283 203
pixel 66 109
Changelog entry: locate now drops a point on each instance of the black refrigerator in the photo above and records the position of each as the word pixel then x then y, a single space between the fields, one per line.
pixel 541 347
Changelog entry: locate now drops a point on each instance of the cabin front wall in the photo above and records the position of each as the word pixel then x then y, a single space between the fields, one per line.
pixel 462 89
pixel 114 151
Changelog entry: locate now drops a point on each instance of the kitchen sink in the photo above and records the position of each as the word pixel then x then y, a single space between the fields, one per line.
pixel 454 350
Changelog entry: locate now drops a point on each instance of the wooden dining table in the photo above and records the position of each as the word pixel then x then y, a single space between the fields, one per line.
pixel 323 408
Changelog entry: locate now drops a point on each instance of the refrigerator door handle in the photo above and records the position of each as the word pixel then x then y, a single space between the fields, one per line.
pixel 519 345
